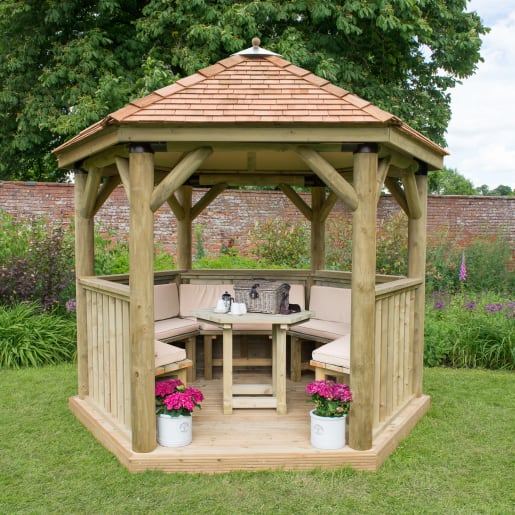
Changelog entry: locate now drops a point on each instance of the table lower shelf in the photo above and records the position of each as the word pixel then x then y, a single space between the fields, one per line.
pixel 253 396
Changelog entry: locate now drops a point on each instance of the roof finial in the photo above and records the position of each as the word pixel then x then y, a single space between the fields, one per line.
pixel 255 50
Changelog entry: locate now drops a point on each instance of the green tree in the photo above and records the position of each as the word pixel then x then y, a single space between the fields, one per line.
pixel 501 190
pixel 449 182
pixel 64 65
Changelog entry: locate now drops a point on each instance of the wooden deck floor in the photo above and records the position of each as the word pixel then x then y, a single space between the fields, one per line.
pixel 249 439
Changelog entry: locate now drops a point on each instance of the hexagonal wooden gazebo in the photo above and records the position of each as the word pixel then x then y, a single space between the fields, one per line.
pixel 251 119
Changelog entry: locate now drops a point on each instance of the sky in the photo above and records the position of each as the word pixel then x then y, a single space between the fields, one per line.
pixel 481 134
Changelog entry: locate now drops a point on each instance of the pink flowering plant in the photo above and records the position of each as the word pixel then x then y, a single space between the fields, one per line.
pixel 174 398
pixel 331 399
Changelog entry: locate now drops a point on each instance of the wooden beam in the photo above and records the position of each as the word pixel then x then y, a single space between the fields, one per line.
pixel 207 199
pixel 246 179
pixel 382 172
pixel 397 193
pixel 328 205
pixel 330 176
pixel 253 135
pixel 107 157
pixel 84 266
pixel 362 354
pixel 417 270
pixel 412 196
pixel 176 178
pixel 397 159
pixel 105 191
pixel 90 192
pixel 297 201
pixel 141 260
pixel 123 170
pixel 175 206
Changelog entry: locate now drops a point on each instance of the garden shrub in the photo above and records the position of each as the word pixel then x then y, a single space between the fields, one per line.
pixel 391 245
pixel 282 243
pixel 32 337
pixel 487 260
pixel 229 261
pixel 338 252
pixel 36 262
pixel 470 330
pixel 112 255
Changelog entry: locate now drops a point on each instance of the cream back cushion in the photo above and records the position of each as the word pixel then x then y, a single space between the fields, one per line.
pixel 201 296
pixel 166 301
pixel 332 304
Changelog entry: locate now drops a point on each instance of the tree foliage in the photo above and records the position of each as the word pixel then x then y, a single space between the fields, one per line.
pixel 64 65
pixel 449 182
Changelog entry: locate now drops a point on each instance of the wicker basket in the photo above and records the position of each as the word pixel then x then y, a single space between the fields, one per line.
pixel 262 296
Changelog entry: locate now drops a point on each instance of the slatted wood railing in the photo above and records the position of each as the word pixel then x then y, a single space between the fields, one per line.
pixel 108 346
pixel 394 328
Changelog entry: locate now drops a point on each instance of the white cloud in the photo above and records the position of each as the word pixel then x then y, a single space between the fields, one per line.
pixel 481 135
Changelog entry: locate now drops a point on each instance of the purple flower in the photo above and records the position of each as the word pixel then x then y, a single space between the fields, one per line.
pixel 439 305
pixel 71 305
pixel 471 305
pixel 493 308
pixel 463 268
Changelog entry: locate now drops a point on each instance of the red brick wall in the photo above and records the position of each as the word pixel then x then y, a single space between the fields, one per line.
pixel 234 212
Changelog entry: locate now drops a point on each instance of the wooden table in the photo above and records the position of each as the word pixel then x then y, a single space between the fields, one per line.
pixel 254 395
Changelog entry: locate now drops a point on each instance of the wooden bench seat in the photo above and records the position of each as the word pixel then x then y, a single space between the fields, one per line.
pixel 169 326
pixel 171 360
pixel 332 308
pixel 174 321
pixel 333 359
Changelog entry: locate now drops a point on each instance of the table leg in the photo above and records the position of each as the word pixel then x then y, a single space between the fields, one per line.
pixel 280 368
pixel 227 368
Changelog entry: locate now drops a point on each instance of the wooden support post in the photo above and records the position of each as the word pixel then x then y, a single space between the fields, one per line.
pixel 84 265
pixel 184 229
pixel 317 229
pixel 141 245
pixel 417 269
pixel 363 298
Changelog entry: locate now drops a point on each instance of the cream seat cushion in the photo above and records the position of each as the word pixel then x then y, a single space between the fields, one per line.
pixel 172 327
pixel 336 352
pixel 323 329
pixel 165 354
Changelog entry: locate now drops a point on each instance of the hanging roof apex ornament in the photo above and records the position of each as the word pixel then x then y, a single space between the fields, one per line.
pixel 255 50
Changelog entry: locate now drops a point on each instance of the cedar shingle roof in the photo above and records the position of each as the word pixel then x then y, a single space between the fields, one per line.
pixel 244 89
pixel 239 89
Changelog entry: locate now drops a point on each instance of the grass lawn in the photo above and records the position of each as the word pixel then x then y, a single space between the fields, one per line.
pixel 459 459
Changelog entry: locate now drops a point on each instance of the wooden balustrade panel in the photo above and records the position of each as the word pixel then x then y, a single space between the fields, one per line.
pixel 394 328
pixel 108 353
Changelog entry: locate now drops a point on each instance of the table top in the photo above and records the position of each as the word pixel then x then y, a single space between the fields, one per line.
pixel 209 315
